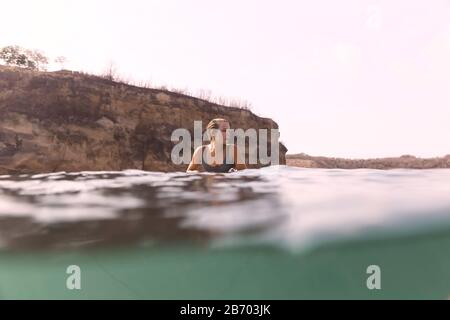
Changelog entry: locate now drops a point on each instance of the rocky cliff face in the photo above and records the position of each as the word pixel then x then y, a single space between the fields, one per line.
pixel 65 121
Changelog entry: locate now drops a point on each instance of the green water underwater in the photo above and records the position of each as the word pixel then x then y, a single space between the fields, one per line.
pixel 411 268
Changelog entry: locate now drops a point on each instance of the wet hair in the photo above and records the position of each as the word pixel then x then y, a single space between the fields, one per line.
pixel 214 123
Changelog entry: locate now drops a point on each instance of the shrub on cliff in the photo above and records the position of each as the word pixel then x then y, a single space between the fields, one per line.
pixel 19 57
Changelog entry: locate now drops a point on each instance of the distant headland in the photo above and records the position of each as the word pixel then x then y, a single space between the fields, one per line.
pixel 406 161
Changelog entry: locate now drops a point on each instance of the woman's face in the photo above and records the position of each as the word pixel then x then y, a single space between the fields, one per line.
pixel 223 126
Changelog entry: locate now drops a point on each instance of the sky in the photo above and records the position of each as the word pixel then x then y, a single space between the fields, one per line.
pixel 350 78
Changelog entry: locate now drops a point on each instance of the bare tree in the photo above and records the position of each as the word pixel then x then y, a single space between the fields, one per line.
pixel 39 59
pixel 61 60
pixel 110 72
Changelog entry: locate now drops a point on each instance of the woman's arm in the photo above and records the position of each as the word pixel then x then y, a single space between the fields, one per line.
pixel 196 161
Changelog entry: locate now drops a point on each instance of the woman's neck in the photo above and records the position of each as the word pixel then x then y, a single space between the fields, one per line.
pixel 213 145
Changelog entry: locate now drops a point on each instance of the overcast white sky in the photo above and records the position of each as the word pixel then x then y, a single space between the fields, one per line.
pixel 352 78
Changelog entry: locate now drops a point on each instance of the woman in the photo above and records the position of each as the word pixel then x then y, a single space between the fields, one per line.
pixel 204 158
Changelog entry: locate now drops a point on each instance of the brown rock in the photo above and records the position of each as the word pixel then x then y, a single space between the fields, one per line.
pixel 67 121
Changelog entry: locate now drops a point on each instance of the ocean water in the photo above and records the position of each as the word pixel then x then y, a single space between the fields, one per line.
pixel 274 233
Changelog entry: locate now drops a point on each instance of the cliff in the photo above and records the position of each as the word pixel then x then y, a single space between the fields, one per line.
pixel 406 161
pixel 67 121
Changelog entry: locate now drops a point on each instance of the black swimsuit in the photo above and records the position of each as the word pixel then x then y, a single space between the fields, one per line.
pixel 225 167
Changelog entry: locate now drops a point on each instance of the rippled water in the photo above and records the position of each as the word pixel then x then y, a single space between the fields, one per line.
pixel 283 206
pixel 279 219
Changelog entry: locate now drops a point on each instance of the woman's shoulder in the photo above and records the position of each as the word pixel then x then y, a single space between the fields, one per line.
pixel 198 151
pixel 199 148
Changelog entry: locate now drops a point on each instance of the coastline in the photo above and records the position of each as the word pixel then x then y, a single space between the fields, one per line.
pixel 403 162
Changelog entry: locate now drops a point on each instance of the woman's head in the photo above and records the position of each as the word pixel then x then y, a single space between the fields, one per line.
pixel 218 125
